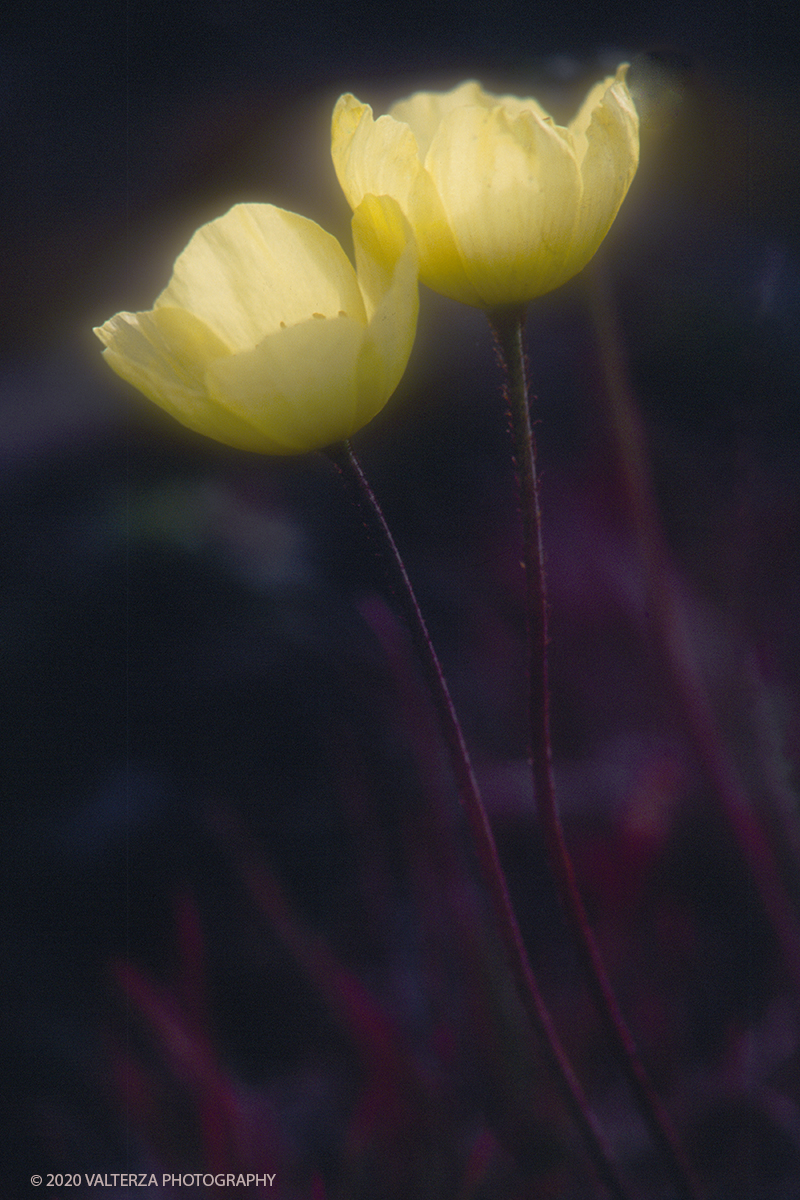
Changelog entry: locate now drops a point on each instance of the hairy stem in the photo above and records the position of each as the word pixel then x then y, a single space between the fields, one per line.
pixel 500 901
pixel 508 326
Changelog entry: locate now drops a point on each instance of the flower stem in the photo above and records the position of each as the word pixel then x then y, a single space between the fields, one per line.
pixel 527 985
pixel 507 326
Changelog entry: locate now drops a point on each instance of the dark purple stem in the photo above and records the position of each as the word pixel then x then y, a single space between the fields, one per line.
pixel 527 985
pixel 507 326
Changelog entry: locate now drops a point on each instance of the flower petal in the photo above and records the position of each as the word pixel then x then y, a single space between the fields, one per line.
pixel 381 158
pixel 583 117
pixel 298 386
pixel 164 354
pixel 381 235
pixel 372 157
pixel 510 189
pixel 387 263
pixel 425 111
pixel 257 267
pixel 609 164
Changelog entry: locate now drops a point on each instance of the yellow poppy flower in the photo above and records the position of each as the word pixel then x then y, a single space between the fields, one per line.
pixel 266 338
pixel 505 204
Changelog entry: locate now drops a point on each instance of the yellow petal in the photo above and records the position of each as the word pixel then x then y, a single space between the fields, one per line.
pixel 583 117
pixel 513 105
pixel 424 111
pixel 298 386
pixel 316 383
pixel 609 164
pixel 164 354
pixel 372 157
pixel 386 258
pixel 258 266
pixel 381 236
pixel 381 158
pixel 510 188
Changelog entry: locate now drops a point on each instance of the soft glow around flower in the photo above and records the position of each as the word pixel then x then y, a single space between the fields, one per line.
pixel 266 338
pixel 505 204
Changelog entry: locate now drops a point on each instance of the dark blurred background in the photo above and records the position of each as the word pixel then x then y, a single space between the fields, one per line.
pixel 184 634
